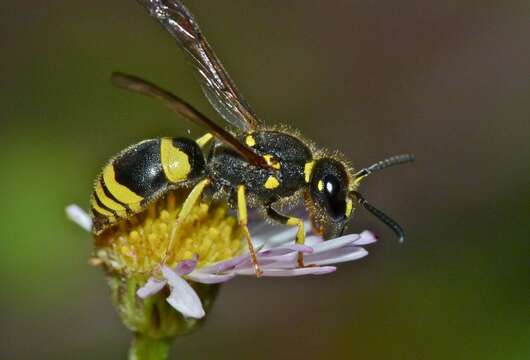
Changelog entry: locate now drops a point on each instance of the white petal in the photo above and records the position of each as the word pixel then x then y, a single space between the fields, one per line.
pixel 312 240
pixel 285 236
pixel 367 237
pixel 263 235
pixel 261 231
pixel 335 256
pixel 334 243
pixel 183 298
pixel 259 228
pixel 151 287
pixel 79 216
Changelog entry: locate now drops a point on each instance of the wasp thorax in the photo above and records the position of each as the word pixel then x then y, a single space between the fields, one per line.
pixel 140 244
pixel 329 193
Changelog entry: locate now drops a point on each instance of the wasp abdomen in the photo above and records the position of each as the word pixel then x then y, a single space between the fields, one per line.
pixel 141 173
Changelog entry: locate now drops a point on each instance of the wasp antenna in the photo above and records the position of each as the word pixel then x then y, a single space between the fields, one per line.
pixel 396 228
pixel 380 165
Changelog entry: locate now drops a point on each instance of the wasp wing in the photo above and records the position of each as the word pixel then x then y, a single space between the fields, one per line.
pixel 179 106
pixel 219 89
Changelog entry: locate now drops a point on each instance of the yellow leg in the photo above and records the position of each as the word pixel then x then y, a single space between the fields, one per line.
pixel 242 217
pixel 203 140
pixel 189 203
pixel 300 236
pixel 292 221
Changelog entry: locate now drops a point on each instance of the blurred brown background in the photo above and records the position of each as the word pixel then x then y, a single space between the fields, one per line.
pixel 446 80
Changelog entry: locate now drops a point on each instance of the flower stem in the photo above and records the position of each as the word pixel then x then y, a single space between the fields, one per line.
pixel 153 321
pixel 148 348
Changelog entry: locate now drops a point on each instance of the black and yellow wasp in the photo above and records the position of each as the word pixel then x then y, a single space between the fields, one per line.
pixel 253 166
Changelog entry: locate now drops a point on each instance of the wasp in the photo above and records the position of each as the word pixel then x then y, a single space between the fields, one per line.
pixel 250 165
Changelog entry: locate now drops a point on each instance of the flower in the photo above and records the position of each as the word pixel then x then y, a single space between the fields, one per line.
pixel 276 253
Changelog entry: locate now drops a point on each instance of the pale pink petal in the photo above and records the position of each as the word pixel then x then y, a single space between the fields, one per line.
pixel 274 252
pixel 285 261
pixel 248 263
pixel 367 237
pixel 183 298
pixel 79 216
pixel 334 243
pixel 222 266
pixel 335 256
pixel 186 266
pixel 264 257
pixel 151 287
pixel 299 248
pixel 312 270
pixel 285 249
pixel 207 278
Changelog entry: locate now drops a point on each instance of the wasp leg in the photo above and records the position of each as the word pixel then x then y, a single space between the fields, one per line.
pixel 188 205
pixel 292 221
pixel 203 140
pixel 242 218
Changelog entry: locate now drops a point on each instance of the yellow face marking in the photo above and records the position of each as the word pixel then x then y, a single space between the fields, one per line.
pixel 175 162
pixel 271 183
pixel 320 185
pixel 100 210
pixel 308 169
pixel 120 192
pixel 203 140
pixel 272 161
pixel 108 202
pixel 349 207
pixel 250 141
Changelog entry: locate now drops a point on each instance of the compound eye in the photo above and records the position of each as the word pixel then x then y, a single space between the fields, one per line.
pixel 335 196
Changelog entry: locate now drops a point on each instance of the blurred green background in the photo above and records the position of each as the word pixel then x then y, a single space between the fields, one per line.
pixel 446 80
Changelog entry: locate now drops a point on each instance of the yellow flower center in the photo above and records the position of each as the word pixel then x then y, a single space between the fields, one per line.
pixel 139 245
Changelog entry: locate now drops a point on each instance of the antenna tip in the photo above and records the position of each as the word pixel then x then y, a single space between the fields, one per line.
pixel 409 157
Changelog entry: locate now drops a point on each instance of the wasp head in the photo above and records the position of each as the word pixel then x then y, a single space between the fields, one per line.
pixel 332 189
pixel 329 197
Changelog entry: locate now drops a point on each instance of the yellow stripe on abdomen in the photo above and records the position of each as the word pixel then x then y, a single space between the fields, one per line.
pixel 120 192
pixel 106 213
pixel 108 202
pixel 175 162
